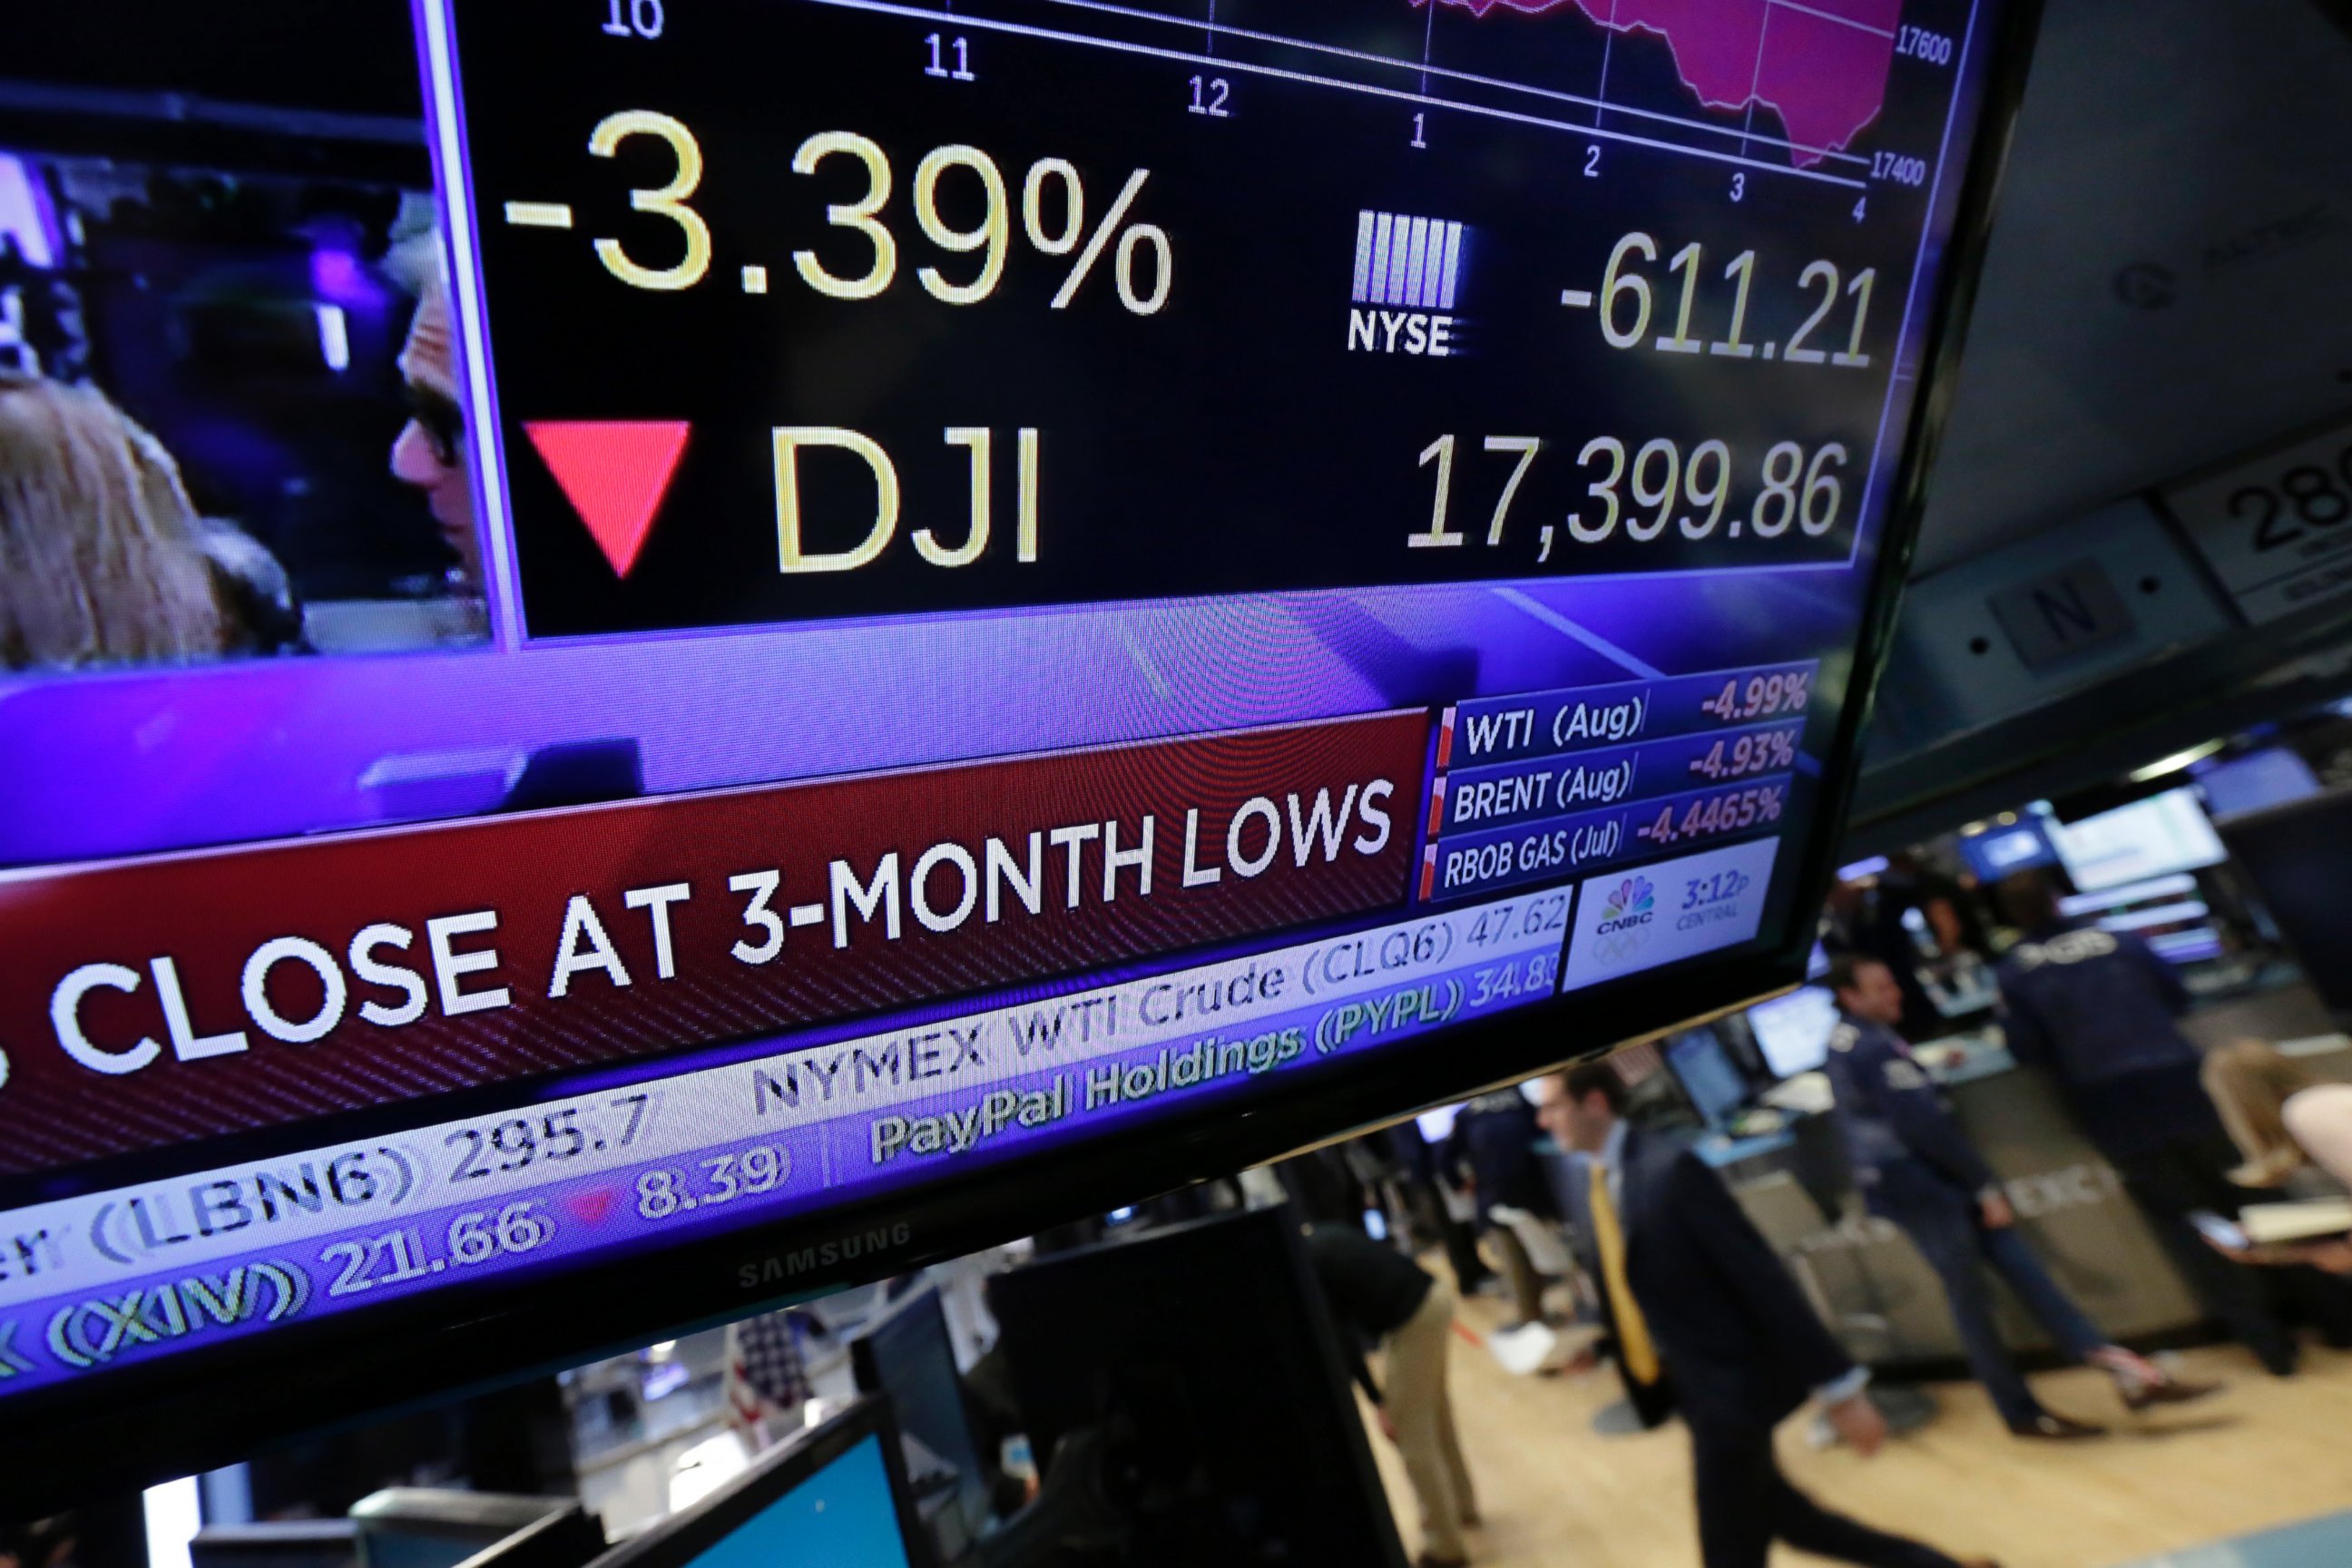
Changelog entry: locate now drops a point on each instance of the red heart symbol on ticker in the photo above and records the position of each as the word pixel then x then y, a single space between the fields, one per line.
pixel 591 1206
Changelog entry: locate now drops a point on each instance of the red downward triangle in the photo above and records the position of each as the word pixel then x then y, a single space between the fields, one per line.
pixel 615 472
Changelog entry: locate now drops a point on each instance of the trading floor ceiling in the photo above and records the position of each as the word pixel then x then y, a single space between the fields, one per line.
pixel 2170 277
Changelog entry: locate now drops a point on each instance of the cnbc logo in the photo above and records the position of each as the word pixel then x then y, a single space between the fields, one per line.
pixel 1408 270
pixel 1624 928
pixel 1631 903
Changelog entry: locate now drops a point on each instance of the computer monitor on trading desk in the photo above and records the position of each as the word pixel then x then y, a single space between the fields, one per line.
pixel 441 1527
pixel 276 1543
pixel 570 1537
pixel 907 1356
pixel 1197 1371
pixel 833 1497
pixel 1793 1031
pixel 1707 1075
pixel 2257 781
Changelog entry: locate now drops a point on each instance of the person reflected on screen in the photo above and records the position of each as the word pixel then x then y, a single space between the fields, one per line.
pixel 1695 1287
pixel 1378 1295
pixel 1917 1169
pixel 430 451
pixel 101 557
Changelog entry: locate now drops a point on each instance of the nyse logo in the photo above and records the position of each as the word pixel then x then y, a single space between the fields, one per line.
pixel 1408 270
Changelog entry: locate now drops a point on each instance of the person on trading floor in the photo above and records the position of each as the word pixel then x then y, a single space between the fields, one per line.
pixel 1916 1167
pixel 2097 1010
pixel 1377 1294
pixel 1695 1291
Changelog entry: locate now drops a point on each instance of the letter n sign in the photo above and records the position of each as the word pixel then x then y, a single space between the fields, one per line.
pixel 2059 615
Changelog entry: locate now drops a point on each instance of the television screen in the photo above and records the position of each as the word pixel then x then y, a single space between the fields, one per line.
pixel 1793 1031
pixel 658 657
pixel 2257 781
pixel 1997 852
pixel 2165 833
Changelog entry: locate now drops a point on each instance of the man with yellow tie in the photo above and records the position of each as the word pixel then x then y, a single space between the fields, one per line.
pixel 1695 1296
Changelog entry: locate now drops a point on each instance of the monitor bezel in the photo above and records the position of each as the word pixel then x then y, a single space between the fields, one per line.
pixel 203 1409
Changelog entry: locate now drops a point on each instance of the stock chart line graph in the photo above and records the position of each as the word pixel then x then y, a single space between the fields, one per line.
pixel 1819 67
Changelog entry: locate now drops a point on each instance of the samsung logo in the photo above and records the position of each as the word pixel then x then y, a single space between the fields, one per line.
pixel 824 1255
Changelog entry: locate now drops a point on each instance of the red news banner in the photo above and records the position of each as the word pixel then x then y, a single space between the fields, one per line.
pixel 149 1001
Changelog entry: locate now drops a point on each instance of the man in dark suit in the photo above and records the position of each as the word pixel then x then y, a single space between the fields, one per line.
pixel 1649 1389
pixel 1695 1289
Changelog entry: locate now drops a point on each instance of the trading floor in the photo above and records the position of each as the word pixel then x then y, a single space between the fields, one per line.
pixel 2177 1490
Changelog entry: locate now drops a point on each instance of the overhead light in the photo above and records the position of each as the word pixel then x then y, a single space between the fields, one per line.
pixel 2175 763
pixel 1861 869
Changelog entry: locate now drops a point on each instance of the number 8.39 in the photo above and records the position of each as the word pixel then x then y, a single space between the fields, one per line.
pixel 719 1179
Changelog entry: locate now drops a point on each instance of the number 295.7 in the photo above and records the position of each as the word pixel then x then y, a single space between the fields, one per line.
pixel 519 1141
